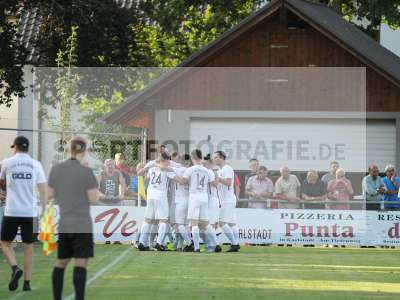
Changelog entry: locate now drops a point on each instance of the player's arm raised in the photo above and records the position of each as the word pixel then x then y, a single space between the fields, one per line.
pixel 142 170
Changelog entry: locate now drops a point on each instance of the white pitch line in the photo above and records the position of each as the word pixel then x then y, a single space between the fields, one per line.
pixel 19 295
pixel 101 272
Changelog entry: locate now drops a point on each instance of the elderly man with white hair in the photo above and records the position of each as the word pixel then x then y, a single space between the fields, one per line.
pixel 392 184
pixel 373 188
pixel 340 189
pixel 287 189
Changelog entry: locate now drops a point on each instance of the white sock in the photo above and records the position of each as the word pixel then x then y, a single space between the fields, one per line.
pixel 162 228
pixel 177 240
pixel 138 236
pixel 229 234
pixel 203 236
pixel 184 234
pixel 235 231
pixel 177 237
pixel 153 233
pixel 168 234
pixel 216 236
pixel 180 242
pixel 144 234
pixel 211 236
pixel 196 237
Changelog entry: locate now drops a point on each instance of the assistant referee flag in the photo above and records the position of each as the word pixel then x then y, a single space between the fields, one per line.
pixel 47 231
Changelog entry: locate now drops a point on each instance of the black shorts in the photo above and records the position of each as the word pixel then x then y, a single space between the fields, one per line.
pixel 75 245
pixel 27 225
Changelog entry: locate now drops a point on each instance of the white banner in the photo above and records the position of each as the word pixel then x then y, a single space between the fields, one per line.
pixel 280 226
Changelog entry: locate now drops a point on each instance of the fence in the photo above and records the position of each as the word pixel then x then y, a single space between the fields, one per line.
pixel 49 146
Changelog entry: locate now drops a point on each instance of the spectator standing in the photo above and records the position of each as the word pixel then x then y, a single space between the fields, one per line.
pixel 333 166
pixel 340 189
pixel 287 188
pixel 21 175
pixel 112 183
pixel 313 189
pixel 253 167
pixel 259 188
pixel 373 188
pixel 392 184
pixel 75 232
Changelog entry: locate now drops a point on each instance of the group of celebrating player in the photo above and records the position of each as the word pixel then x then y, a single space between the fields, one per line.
pixel 189 194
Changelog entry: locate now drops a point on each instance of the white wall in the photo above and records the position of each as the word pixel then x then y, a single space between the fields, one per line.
pixel 390 38
pixel 8 119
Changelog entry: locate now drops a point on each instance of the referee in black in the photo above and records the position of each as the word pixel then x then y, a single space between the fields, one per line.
pixel 73 187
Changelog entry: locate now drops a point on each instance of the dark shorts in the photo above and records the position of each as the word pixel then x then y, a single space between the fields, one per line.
pixel 75 245
pixel 27 226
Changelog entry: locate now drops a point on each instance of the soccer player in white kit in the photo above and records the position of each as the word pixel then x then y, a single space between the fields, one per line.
pixel 181 199
pixel 198 178
pixel 143 171
pixel 227 217
pixel 157 203
pixel 214 201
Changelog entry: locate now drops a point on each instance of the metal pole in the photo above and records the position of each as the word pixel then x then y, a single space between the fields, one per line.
pixel 143 158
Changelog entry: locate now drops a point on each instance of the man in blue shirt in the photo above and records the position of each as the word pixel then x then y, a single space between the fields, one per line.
pixel 373 188
pixel 392 184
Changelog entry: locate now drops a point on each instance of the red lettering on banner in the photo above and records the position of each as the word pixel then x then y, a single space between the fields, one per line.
pixel 348 231
pixel 394 231
pixel 126 227
pixel 322 231
pixel 111 215
pixel 325 229
pixel 304 231
pixel 290 227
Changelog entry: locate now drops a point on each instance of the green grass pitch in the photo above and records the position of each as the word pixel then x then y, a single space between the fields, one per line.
pixel 120 272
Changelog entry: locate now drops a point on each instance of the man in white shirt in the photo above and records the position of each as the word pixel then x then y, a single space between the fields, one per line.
pixel 227 217
pixel 287 189
pixel 157 210
pixel 198 177
pixel 21 175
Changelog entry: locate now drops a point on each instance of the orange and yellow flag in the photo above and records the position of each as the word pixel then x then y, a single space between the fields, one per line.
pixel 47 231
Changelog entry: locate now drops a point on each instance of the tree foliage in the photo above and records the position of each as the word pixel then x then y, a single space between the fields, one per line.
pixel 368 15
pixel 160 33
pixel 12 54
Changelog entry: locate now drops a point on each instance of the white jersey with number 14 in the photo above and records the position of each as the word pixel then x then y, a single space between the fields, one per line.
pixel 199 177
